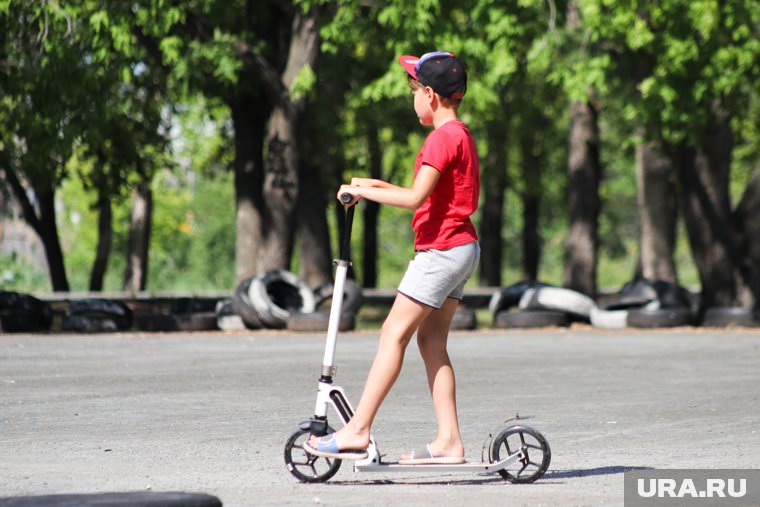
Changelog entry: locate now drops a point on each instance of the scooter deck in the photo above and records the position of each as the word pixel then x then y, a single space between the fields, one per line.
pixel 461 467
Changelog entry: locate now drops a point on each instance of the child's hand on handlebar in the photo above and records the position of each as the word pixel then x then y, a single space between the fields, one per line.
pixel 347 195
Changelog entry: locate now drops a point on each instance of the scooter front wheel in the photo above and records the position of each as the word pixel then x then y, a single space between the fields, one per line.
pixel 304 466
pixel 535 449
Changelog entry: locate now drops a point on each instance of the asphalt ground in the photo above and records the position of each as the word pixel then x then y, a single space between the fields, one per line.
pixel 210 412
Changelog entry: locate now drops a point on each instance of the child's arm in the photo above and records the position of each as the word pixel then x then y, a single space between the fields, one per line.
pixel 391 195
pixel 370 182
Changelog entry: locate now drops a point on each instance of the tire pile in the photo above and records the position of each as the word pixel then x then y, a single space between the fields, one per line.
pixel 641 303
pixel 645 303
pixel 23 313
pixel 534 304
pixel 279 299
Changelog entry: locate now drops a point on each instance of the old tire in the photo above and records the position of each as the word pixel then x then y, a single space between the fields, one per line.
pixel 278 293
pixel 22 313
pixel 130 499
pixel 100 312
pixel 318 321
pixel 226 317
pixel 242 305
pixel 724 316
pixel 609 319
pixel 660 317
pixel 530 319
pixel 352 296
pixel 509 297
pixel 464 319
pixel 558 299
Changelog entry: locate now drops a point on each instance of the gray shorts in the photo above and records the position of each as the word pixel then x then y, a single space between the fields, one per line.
pixel 434 275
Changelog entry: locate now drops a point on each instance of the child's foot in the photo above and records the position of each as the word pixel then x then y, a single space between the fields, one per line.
pixel 338 446
pixel 429 455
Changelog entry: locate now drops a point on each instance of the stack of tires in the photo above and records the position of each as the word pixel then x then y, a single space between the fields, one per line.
pixel 180 314
pixel 96 315
pixel 532 304
pixel 279 299
pixel 646 303
pixel 23 313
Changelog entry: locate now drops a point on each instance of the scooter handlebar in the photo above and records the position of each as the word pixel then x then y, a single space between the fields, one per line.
pixel 346 198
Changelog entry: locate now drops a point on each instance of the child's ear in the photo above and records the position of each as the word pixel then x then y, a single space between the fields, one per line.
pixel 430 93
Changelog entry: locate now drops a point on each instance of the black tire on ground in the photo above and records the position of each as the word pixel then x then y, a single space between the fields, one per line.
pixel 661 317
pixel 196 321
pixel 352 296
pixel 90 324
pixel 634 294
pixel 241 303
pixel 318 321
pixel 464 319
pixel 131 499
pixel 531 319
pixel 724 316
pixel 97 308
pixel 23 313
pixel 157 322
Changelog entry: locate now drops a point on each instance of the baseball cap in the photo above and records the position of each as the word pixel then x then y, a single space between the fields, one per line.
pixel 440 70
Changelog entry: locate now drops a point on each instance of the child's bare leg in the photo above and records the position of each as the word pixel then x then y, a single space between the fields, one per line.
pixel 402 321
pixel 432 338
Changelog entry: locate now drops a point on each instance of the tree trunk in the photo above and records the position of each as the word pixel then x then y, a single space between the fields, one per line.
pixel 493 185
pixel 584 170
pixel 44 225
pixel 248 118
pixel 313 234
pixel 138 240
pixel 748 228
pixel 704 178
pixel 105 236
pixel 658 210
pixel 532 164
pixel 49 235
pixel 280 190
pixel 266 194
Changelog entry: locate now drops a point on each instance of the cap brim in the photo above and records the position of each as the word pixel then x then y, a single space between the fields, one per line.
pixel 409 63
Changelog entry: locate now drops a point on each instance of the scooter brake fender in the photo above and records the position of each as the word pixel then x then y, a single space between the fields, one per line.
pixel 316 427
pixel 485 451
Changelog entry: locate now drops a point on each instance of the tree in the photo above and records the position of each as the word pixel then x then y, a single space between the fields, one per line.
pixel 41 84
pixel 697 62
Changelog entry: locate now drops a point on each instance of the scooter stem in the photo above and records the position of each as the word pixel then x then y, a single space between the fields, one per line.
pixel 328 363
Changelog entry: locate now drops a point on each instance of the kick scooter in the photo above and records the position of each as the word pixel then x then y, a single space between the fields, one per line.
pixel 517 452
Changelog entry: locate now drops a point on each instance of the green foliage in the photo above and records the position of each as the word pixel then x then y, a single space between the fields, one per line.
pixel 110 93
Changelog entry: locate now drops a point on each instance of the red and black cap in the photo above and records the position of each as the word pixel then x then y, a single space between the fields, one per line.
pixel 440 70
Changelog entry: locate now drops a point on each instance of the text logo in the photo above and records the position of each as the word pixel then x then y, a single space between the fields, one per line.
pixel 671 488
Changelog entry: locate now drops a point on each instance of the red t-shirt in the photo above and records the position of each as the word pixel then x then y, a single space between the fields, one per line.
pixel 443 220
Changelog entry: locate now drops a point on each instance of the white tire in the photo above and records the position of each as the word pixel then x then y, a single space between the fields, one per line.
pixel 609 319
pixel 278 293
pixel 555 298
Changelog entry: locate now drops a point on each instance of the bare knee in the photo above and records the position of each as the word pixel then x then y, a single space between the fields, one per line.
pixel 431 344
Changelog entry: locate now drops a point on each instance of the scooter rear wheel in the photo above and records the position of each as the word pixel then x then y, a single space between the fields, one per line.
pixel 536 453
pixel 304 466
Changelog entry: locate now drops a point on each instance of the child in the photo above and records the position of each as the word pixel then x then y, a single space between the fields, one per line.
pixel 444 195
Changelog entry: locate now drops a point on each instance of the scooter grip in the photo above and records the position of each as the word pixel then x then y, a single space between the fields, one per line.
pixel 346 198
